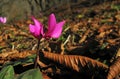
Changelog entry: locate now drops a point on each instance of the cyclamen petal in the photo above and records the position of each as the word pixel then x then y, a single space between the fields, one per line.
pixel 37 29
pixel 36 22
pixel 51 22
pixel 32 28
pixel 33 31
pixel 3 20
pixel 54 28
pixel 57 30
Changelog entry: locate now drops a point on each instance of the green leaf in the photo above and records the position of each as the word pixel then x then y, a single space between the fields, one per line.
pixel 61 38
pixel 7 72
pixel 116 7
pixel 31 74
pixel 104 45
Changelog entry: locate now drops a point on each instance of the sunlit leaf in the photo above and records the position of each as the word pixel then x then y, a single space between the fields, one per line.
pixel 31 74
pixel 7 72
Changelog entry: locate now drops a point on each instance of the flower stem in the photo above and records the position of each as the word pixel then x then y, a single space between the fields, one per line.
pixel 37 54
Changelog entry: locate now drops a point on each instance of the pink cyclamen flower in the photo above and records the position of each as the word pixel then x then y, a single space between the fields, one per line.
pixel 3 20
pixel 54 28
pixel 37 29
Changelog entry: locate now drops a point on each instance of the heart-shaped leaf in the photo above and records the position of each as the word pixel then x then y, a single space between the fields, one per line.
pixel 7 72
pixel 31 74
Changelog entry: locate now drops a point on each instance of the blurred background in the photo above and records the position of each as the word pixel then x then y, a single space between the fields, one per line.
pixel 23 9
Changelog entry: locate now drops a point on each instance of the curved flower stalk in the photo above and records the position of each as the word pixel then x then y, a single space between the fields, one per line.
pixel 54 31
pixel 3 20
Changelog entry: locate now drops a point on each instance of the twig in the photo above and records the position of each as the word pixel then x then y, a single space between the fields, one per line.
pixel 66 29
pixel 41 64
pixel 33 48
pixel 84 36
pixel 67 40
pixel 118 53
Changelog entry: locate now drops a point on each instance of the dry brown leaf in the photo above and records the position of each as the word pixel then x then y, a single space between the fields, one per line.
pixel 101 35
pixel 1 38
pixel 117 17
pixel 21 54
pixel 77 63
pixel 6 54
pixel 104 28
pixel 74 28
pixel 14 54
pixel 114 69
pixel 3 44
pixel 45 76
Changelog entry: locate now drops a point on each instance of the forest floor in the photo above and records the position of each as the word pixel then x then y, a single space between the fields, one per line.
pixel 92 31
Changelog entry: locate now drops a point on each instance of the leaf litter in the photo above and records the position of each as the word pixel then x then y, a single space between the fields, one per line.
pixel 91 32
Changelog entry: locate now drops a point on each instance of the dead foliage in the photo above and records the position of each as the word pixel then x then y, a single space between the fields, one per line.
pixel 14 55
pixel 77 63
pixel 88 44
pixel 114 69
